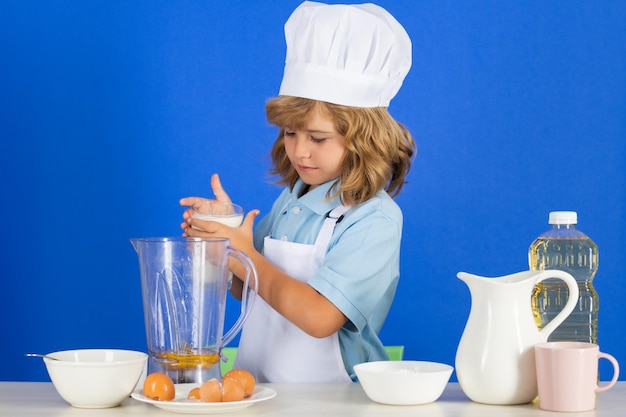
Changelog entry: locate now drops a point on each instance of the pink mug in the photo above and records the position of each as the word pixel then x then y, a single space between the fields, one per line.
pixel 567 375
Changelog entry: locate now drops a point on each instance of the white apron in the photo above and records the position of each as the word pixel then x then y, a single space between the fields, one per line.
pixel 272 348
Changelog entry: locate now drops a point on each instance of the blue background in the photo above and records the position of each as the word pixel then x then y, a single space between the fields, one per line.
pixel 113 110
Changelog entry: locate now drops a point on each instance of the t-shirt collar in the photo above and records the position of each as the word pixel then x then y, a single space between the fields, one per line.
pixel 316 199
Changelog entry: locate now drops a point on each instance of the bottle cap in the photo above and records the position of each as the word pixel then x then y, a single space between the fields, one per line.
pixel 563 217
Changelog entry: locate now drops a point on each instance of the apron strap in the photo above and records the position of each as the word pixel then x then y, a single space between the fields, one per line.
pixel 323 239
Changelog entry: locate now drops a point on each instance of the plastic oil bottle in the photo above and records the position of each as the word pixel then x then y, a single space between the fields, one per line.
pixel 566 248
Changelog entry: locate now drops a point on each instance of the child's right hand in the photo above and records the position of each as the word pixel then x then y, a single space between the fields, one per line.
pixel 218 190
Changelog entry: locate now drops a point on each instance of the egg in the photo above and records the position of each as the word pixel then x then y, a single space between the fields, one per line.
pixel 245 378
pixel 159 386
pixel 232 390
pixel 194 394
pixel 211 391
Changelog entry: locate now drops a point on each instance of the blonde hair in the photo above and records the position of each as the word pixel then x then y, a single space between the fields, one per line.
pixel 378 148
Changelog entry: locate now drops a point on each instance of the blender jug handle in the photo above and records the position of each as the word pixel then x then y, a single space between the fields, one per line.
pixel 247 297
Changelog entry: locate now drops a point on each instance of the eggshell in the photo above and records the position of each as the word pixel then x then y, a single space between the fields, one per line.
pixel 245 378
pixel 159 386
pixel 194 394
pixel 232 390
pixel 210 391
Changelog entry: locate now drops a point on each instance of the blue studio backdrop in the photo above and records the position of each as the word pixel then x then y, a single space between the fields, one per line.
pixel 110 111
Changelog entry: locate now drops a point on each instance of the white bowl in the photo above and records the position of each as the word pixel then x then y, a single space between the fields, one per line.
pixel 403 382
pixel 95 378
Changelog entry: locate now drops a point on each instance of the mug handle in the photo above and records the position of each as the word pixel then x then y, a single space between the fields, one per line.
pixel 615 371
pixel 572 299
pixel 247 297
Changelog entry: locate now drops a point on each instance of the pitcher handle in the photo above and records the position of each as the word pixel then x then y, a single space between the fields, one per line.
pixel 572 299
pixel 246 300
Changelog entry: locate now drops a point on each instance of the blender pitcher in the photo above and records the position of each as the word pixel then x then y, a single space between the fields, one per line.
pixel 184 283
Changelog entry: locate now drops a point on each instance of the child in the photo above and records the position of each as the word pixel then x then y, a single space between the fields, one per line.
pixel 327 254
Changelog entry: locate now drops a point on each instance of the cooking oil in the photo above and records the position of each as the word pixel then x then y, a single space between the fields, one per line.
pixel 178 360
pixel 187 365
pixel 565 248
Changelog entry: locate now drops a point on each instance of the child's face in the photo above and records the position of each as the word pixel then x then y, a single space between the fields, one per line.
pixel 316 151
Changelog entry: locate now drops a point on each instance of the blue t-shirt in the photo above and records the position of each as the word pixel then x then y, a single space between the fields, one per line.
pixel 360 271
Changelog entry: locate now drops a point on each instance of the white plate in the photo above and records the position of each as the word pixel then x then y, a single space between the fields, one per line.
pixel 180 403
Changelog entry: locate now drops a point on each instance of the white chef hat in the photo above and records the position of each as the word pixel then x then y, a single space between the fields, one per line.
pixel 354 55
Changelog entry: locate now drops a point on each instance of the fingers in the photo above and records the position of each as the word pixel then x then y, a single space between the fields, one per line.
pixel 191 201
pixel 197 228
pixel 220 195
pixel 205 226
pixel 218 190
pixel 248 221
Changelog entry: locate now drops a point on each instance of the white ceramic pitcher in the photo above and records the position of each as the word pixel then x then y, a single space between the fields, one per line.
pixel 495 359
